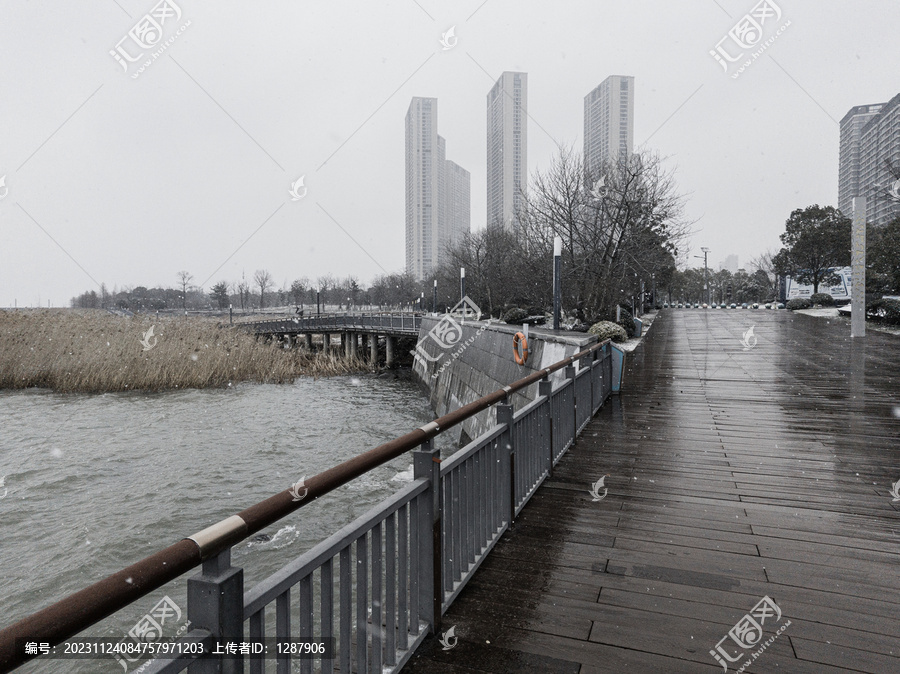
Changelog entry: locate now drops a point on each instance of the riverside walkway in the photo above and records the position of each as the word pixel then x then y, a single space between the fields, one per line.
pixel 735 474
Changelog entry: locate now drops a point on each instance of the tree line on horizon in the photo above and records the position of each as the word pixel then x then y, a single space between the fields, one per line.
pixel 622 229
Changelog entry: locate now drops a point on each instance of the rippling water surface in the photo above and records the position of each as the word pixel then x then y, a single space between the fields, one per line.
pixel 94 483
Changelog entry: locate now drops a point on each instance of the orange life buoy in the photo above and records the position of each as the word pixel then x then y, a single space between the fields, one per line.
pixel 520 358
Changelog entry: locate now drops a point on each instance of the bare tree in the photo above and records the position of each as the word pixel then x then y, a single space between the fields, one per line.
pixel 242 288
pixel 298 290
pixel 184 280
pixel 263 280
pixel 619 227
pixel 763 268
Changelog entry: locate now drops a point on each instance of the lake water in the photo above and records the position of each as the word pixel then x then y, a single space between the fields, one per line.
pixel 92 483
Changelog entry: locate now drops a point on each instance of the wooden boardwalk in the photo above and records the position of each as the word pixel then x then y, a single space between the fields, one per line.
pixel 734 475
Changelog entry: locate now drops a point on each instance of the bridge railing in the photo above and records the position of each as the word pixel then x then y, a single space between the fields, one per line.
pixel 375 589
pixel 383 322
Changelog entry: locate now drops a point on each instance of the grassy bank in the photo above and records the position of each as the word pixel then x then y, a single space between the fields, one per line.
pixel 94 351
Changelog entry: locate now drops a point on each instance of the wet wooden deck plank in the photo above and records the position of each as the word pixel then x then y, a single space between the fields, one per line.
pixel 734 475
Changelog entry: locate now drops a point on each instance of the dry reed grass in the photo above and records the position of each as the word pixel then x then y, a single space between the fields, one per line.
pixel 93 351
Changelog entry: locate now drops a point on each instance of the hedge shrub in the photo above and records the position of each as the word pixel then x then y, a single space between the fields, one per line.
pixel 799 303
pixel 824 299
pixel 515 315
pixel 609 330
pixel 626 320
pixel 886 310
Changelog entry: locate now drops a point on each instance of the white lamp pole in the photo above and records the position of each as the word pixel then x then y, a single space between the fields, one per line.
pixel 557 258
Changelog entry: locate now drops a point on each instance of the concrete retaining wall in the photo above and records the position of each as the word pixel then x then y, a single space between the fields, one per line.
pixel 455 373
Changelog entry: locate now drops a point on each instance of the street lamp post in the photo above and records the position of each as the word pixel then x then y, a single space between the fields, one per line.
pixel 462 283
pixel 557 257
pixel 705 273
pixel 434 298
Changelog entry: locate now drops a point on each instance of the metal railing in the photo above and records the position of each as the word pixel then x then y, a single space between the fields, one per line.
pixel 390 323
pixel 379 586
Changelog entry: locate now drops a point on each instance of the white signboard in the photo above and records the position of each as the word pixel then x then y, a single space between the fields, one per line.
pixel 839 291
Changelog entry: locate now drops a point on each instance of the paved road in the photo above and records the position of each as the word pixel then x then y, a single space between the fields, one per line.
pixel 735 474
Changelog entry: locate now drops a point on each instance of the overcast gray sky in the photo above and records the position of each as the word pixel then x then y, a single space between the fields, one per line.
pixel 128 180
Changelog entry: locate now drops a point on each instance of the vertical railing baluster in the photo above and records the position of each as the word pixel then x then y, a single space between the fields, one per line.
pixel 507 452
pixel 257 634
pixel 415 561
pixel 573 413
pixel 469 529
pixel 305 626
pixel 346 609
pixel 426 463
pixel 376 600
pixel 283 630
pixel 456 524
pixel 478 529
pixel 403 577
pixel 498 464
pixel 447 533
pixel 326 607
pixel 362 604
pixel 545 391
pixel 390 590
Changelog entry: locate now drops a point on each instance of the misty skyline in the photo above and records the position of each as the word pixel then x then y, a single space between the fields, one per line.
pixel 190 165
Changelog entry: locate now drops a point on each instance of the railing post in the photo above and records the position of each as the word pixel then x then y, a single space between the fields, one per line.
pixel 216 603
pixel 505 417
pixel 427 465
pixel 545 390
pixel 570 374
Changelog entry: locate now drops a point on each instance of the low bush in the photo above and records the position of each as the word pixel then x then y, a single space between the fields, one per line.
pixel 799 303
pixel 885 310
pixel 824 299
pixel 609 330
pixel 626 320
pixel 515 315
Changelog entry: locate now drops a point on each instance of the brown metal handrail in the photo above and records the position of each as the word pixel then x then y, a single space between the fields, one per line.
pixel 75 613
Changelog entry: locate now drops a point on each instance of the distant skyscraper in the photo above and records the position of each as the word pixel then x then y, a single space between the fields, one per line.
pixel 458 211
pixel 879 152
pixel 730 263
pixel 848 171
pixel 608 121
pixel 507 149
pixel 870 145
pixel 437 192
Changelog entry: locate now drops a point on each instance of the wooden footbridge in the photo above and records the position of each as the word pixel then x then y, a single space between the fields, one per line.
pixel 359 332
